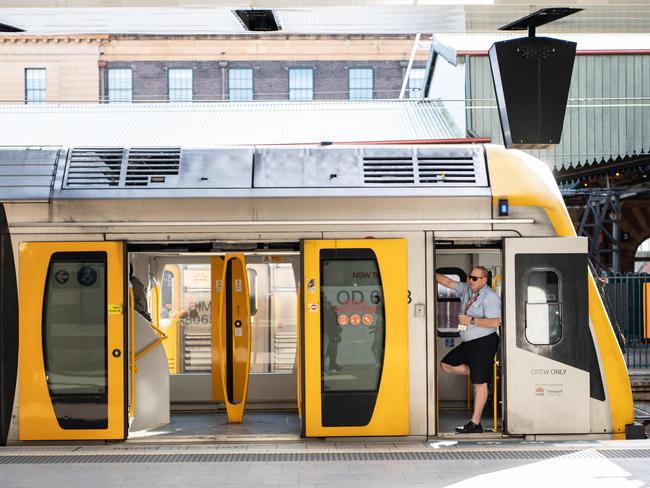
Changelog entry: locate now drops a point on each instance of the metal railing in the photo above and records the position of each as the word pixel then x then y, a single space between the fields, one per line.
pixel 624 294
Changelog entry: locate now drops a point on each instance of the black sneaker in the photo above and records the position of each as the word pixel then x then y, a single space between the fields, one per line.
pixel 470 428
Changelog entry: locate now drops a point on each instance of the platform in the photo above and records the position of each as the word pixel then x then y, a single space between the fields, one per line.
pixel 313 464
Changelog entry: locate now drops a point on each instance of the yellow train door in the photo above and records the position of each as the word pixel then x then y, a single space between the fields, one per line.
pixel 232 322
pixel 72 353
pixel 8 328
pixel 354 338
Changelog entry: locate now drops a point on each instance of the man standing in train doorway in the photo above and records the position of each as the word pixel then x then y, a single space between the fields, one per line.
pixel 478 323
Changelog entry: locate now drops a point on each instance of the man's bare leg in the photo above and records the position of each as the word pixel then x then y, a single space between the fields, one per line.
pixel 448 368
pixel 480 397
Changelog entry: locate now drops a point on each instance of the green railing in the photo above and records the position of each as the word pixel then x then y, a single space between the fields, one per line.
pixel 625 303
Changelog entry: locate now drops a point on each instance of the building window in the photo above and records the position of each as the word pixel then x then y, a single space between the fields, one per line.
pixel 301 84
pixel 360 83
pixel 120 85
pixel 180 85
pixel 543 308
pixel 240 84
pixel 35 85
pixel 416 82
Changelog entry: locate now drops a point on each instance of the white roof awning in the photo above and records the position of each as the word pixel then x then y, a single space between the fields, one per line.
pixel 315 16
pixel 226 124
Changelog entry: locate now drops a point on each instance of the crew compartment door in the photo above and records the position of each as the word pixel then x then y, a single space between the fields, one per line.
pixel 354 338
pixel 547 337
pixel 72 341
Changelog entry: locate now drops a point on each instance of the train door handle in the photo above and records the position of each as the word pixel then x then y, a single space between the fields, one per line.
pixel 117 353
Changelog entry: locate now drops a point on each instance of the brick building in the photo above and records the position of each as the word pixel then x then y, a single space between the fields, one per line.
pixel 132 68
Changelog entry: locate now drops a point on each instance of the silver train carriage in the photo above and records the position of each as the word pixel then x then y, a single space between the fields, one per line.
pixel 143 286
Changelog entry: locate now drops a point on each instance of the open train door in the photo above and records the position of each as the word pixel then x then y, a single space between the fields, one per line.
pixel 549 349
pixel 234 334
pixel 354 338
pixel 72 357
pixel 8 328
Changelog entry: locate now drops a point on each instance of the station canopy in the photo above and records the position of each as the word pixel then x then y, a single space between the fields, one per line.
pixel 193 17
pixel 209 125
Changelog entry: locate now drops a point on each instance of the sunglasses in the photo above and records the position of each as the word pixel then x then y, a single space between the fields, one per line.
pixel 475 278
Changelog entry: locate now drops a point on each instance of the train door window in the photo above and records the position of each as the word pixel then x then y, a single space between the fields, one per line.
pixel 167 294
pixel 352 318
pixel 543 307
pixel 273 316
pixel 186 316
pixel 252 290
pixel 74 339
pixel 186 311
pixel 449 302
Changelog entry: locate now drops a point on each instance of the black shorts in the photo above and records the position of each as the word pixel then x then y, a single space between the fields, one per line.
pixel 478 355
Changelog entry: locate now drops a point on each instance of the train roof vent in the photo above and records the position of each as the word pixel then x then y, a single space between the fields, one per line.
pixel 152 165
pixel 94 167
pixel 457 171
pixel 459 166
pixel 389 170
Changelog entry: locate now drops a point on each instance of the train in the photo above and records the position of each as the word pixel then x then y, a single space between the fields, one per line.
pixel 336 327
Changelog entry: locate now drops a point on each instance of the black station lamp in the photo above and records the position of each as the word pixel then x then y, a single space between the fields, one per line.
pixel 532 76
pixel 10 28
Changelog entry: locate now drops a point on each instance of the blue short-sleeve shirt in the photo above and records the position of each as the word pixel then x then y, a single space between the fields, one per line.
pixel 487 305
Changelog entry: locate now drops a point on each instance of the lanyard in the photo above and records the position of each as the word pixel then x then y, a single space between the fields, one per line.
pixel 469 304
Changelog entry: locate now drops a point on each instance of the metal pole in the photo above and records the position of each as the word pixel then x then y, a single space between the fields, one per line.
pixel 222 65
pixel 616 234
pixel 416 46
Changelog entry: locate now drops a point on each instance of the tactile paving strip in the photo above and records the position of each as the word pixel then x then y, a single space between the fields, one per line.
pixel 326 456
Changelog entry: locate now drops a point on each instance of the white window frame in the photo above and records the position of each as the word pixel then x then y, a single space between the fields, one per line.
pixel 35 86
pixel 180 86
pixel 301 83
pixel 124 92
pixel 416 83
pixel 238 93
pixel 358 88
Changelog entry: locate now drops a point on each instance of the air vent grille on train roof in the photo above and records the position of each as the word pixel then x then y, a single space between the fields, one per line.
pixel 116 167
pixel 94 167
pixel 426 167
pixel 396 170
pixel 446 170
pixel 152 165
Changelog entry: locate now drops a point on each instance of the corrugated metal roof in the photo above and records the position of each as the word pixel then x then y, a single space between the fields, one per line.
pixel 225 124
pixel 607 116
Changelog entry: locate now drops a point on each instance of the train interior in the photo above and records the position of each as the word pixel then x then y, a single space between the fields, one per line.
pixel 454 392
pixel 171 393
pixel 178 315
